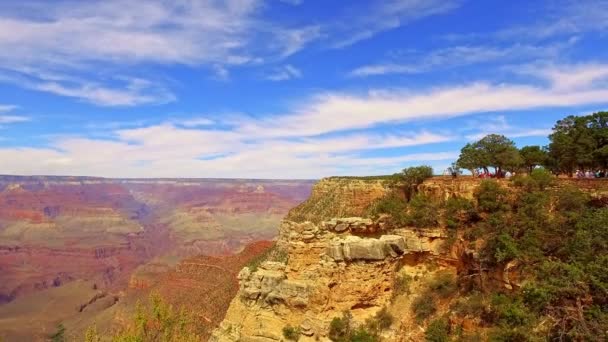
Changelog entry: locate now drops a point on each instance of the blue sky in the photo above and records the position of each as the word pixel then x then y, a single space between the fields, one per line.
pixel 286 88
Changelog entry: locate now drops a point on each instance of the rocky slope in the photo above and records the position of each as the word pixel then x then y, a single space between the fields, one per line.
pixel 336 261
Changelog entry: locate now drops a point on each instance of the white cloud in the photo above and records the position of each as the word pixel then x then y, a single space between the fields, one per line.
pixel 563 19
pixel 459 56
pixel 8 119
pixel 196 122
pixel 337 112
pixel 293 2
pixel 330 134
pixel 284 73
pixel 7 108
pixel 43 45
pixel 387 15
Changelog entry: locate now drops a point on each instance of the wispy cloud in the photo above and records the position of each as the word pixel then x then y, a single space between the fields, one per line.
pixel 337 112
pixel 284 73
pixel 331 133
pixel 63 47
pixel 9 119
pixel 389 15
pixel 559 20
pixel 499 125
pixel 460 56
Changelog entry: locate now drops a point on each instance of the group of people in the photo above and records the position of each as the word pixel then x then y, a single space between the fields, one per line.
pixel 590 174
pixel 503 174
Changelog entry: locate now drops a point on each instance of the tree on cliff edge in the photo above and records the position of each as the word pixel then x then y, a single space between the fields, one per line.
pixel 493 150
pixel 414 176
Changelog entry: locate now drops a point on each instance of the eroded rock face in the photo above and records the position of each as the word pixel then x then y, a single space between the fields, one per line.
pixel 328 271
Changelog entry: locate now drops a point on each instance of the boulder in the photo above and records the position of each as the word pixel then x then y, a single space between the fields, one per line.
pixel 395 243
pixel 355 248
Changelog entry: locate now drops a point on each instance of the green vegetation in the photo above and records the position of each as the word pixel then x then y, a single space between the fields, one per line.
pixel 157 321
pixel 393 205
pixel 402 285
pixel 443 284
pixel 341 329
pixel 579 142
pixel 533 156
pixel 560 241
pixel 273 253
pixel 459 212
pixel 413 176
pixel 491 151
pixel 290 333
pixel 424 306
pixel 491 197
pixel 438 331
pixel 422 212
pixel 59 335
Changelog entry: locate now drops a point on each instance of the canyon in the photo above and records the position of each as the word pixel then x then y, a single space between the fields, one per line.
pixel 85 252
pixel 105 242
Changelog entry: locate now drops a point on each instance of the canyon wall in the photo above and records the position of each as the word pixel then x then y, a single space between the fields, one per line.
pixel 335 261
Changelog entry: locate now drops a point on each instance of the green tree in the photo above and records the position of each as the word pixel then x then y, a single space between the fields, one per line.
pixel 573 144
pixel 472 158
pixel 414 176
pixel 533 156
pixel 491 151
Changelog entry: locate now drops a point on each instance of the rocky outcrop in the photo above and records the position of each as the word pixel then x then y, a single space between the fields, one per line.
pixel 334 265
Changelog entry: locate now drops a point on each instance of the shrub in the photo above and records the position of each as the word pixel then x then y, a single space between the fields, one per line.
pixel 459 212
pixel 570 199
pixel 381 321
pixel 160 319
pixel 423 212
pixel 402 284
pixel 438 331
pixel 539 179
pixel 291 333
pixel 391 204
pixel 362 335
pixel 273 253
pixel 339 328
pixel 509 311
pixel 424 306
pixel 507 334
pixel 474 305
pixel 491 197
pixel 542 177
pixel 443 284
pixel 59 335
pixel 505 248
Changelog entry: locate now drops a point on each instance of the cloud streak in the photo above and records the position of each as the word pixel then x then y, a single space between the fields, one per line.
pixel 330 134
pixel 63 48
